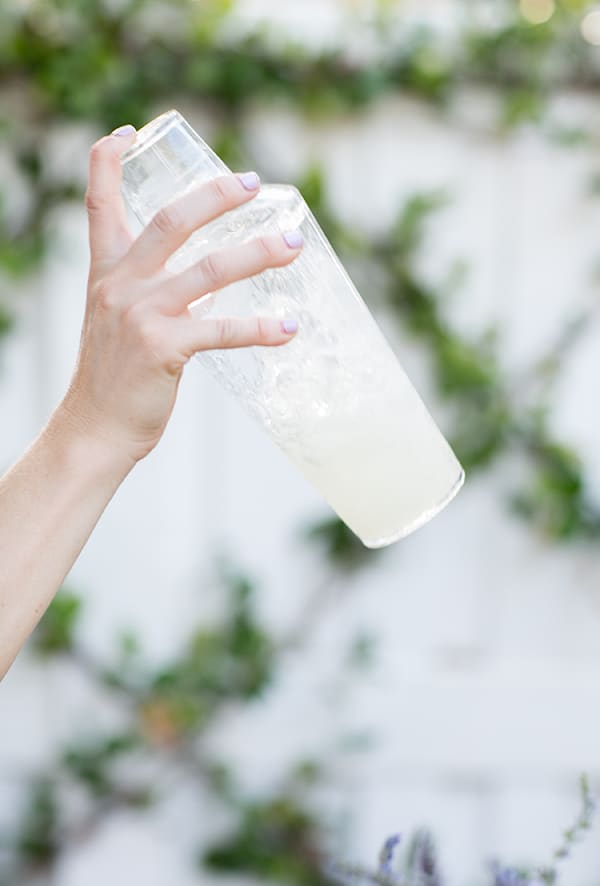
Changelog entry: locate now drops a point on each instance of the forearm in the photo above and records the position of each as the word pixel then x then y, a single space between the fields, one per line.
pixel 138 333
pixel 49 503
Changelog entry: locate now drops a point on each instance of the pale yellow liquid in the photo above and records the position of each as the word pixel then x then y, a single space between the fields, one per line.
pixel 386 470
pixel 335 399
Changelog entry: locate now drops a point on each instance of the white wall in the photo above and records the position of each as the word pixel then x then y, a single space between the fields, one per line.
pixel 485 699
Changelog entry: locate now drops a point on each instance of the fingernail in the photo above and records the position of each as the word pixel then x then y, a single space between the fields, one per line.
pixel 128 129
pixel 289 326
pixel 250 180
pixel 294 239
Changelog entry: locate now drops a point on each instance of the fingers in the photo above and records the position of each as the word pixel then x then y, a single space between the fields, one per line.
pixel 171 227
pixel 109 233
pixel 222 268
pixel 204 334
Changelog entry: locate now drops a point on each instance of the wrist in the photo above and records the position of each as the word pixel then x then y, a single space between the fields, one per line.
pixel 87 448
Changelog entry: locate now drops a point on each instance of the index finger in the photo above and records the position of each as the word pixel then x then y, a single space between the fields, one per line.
pixel 172 225
pixel 110 237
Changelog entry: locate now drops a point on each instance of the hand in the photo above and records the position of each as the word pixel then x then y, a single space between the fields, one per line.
pixel 138 332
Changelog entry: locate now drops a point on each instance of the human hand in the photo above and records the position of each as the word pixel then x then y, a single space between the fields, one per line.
pixel 138 332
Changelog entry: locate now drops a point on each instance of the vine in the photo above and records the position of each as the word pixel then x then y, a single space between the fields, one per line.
pixel 165 715
pixel 83 60
pixel 105 64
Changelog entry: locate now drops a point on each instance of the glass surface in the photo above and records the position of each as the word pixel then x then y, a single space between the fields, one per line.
pixel 335 398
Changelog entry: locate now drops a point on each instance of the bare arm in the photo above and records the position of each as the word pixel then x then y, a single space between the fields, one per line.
pixel 137 336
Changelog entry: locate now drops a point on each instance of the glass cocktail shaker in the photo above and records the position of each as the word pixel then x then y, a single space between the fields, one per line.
pixel 334 398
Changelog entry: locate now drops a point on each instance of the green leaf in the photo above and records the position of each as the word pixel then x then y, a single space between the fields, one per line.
pixel 55 632
pixel 278 841
pixel 6 320
pixel 340 545
pixel 90 762
pixel 37 841
pixel 361 654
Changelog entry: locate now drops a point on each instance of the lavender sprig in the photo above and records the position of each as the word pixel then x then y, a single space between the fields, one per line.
pixel 348 873
pixel 420 866
pixel 574 834
pixel 386 856
pixel 383 876
pixel 423 862
pixel 548 875
pixel 509 876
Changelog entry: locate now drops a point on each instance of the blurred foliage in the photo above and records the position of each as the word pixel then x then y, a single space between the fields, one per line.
pixel 277 841
pixel 37 840
pixel 340 545
pixel 6 321
pixel 55 631
pixel 105 63
pixel 489 415
pixel 164 713
pixel 557 499
pixel 108 63
pixel 231 662
pixel 90 763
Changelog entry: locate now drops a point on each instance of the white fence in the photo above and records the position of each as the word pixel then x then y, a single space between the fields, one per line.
pixel 486 696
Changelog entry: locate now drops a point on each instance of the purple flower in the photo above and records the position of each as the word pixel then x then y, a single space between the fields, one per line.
pixel 386 856
pixel 508 876
pixel 423 861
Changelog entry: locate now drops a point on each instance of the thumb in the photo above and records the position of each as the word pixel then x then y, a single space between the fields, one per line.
pixel 109 233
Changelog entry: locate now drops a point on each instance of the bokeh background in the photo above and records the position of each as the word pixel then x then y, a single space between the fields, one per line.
pixel 230 689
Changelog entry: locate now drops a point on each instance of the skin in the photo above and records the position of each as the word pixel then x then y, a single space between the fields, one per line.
pixel 137 336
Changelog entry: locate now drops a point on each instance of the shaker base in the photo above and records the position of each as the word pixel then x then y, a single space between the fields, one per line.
pixel 422 520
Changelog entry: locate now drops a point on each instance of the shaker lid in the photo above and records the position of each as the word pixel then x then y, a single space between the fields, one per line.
pixel 167 158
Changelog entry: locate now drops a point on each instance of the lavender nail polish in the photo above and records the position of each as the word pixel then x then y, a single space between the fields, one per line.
pixel 249 180
pixel 294 239
pixel 128 129
pixel 289 326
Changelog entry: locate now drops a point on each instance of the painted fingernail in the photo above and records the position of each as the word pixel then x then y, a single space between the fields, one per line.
pixel 294 239
pixel 289 326
pixel 250 180
pixel 128 129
